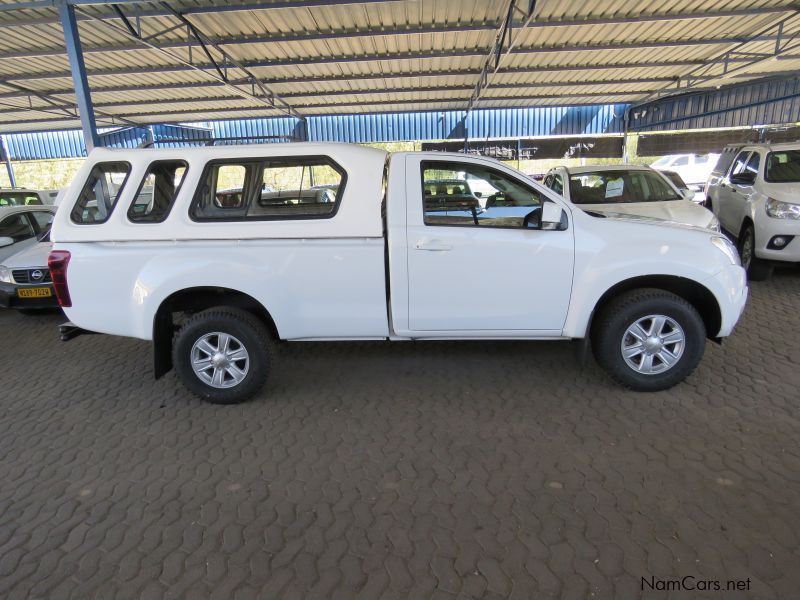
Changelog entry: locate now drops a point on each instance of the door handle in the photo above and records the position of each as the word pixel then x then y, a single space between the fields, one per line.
pixel 433 246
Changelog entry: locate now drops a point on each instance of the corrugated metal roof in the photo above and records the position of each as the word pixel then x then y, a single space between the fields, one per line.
pixel 326 57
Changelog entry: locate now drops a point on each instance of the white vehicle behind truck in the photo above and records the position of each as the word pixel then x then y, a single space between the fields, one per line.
pixel 755 192
pixel 152 244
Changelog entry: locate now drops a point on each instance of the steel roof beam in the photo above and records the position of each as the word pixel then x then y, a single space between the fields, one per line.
pixel 81 82
pixel 258 92
pixel 745 60
pixel 350 34
pixel 394 56
pixel 249 6
pixel 457 101
pixel 370 92
pixel 368 77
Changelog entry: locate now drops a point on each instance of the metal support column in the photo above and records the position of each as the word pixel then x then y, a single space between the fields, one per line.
pixel 7 158
pixel 80 81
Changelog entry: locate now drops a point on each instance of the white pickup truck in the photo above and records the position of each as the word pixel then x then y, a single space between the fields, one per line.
pixel 216 253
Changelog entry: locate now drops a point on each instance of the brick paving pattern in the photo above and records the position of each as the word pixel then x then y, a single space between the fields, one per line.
pixel 407 470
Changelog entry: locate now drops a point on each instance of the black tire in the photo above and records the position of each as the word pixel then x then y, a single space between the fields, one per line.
pixel 757 269
pixel 248 331
pixel 614 319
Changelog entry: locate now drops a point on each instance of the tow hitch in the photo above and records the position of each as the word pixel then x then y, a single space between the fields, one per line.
pixel 69 331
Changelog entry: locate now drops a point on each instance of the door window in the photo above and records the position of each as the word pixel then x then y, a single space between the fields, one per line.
pixel 739 163
pixel 17 227
pixel 752 164
pixel 465 194
pixel 558 185
pixel 681 161
pixel 43 219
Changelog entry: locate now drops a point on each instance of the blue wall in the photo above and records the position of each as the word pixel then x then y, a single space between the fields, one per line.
pixel 383 127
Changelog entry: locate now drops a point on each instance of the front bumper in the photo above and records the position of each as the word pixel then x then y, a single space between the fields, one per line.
pixel 767 228
pixel 9 298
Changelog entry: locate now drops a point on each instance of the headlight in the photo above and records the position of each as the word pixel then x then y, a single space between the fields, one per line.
pixel 713 225
pixel 727 248
pixel 782 210
pixel 5 274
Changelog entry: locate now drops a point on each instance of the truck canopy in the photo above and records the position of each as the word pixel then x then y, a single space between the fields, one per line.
pixel 303 190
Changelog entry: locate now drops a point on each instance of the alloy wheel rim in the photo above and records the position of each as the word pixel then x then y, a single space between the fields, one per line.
pixel 220 360
pixel 653 344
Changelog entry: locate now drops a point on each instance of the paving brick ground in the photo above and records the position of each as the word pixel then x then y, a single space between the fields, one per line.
pixel 413 470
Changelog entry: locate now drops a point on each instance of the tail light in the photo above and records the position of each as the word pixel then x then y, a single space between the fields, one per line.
pixel 58 262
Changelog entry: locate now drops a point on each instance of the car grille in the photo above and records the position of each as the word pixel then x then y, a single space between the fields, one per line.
pixel 27 275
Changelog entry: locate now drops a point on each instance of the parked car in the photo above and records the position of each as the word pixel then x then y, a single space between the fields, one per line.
pixel 693 168
pixel 25 281
pixel 214 287
pixel 756 197
pixel 694 192
pixel 26 197
pixel 20 226
pixel 630 190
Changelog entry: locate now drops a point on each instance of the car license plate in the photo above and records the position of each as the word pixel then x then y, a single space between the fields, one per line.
pixel 34 292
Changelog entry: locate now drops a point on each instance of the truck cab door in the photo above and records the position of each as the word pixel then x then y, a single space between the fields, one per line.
pixel 735 189
pixel 480 262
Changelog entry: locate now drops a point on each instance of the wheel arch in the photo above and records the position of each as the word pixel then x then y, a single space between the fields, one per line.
pixel 195 299
pixel 696 294
pixel 748 220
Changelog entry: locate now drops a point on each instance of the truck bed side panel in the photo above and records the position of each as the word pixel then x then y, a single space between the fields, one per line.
pixel 312 288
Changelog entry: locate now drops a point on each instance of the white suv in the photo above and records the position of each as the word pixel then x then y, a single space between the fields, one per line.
pixel 693 168
pixel 757 201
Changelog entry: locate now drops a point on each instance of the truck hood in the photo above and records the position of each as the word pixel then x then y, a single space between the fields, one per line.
pixel 683 212
pixel 640 219
pixel 32 256
pixel 785 192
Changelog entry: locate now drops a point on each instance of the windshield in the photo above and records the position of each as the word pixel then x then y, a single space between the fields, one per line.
pixel 674 178
pixel 662 162
pixel 19 199
pixel 619 187
pixel 783 167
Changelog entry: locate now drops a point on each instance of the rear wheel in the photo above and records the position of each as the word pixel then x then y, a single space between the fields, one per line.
pixel 223 355
pixel 649 339
pixel 757 269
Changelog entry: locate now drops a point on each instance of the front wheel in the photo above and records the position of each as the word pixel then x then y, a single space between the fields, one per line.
pixel 223 355
pixel 757 269
pixel 649 339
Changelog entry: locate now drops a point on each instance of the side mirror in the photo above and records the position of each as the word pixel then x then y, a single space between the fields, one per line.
pixel 553 216
pixel 6 241
pixel 688 194
pixel 478 194
pixel 743 178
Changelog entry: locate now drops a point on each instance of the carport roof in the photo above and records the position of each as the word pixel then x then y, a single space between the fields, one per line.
pixel 270 58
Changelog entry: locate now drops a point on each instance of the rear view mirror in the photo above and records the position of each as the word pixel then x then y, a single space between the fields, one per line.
pixel 6 241
pixel 553 216
pixel 743 178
